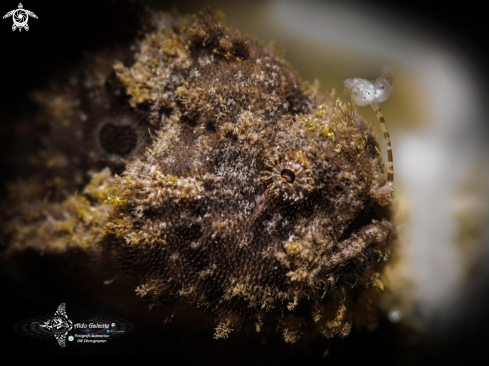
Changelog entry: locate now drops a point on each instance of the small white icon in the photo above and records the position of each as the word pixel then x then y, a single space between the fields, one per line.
pixel 70 338
pixel 113 325
pixel 20 17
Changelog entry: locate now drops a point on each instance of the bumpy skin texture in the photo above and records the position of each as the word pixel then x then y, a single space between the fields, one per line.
pixel 241 190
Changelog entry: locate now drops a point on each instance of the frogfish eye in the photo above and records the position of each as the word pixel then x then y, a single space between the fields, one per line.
pixel 288 175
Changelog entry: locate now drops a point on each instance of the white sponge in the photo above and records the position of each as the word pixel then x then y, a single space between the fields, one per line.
pixel 363 92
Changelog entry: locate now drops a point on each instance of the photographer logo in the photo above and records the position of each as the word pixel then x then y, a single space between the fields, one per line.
pixel 20 17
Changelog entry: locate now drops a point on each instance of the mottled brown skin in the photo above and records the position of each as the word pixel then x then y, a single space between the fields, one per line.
pixel 241 190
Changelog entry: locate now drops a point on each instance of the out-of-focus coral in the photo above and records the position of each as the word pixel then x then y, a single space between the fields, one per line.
pixel 200 164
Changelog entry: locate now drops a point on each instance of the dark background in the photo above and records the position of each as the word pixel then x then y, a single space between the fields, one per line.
pixel 32 285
